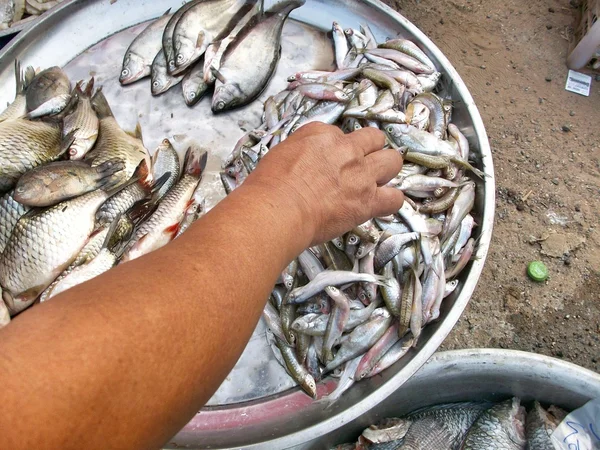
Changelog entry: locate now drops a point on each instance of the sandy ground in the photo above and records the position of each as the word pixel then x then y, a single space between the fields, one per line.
pixel 546 147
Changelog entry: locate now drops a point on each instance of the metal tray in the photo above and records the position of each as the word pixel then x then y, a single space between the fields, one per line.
pixel 478 375
pixel 258 404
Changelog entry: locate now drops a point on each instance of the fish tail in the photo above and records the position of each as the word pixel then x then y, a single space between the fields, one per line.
pixel 100 105
pixel 141 211
pixel 111 231
pixel 89 88
pixel 155 187
pixel 286 7
pixel 28 76
pixel 138 131
pixel 195 161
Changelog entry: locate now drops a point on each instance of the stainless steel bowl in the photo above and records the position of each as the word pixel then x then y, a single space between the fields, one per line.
pixel 257 406
pixel 476 375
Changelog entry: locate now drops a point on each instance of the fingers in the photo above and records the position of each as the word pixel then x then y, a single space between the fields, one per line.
pixel 387 201
pixel 384 165
pixel 368 139
pixel 315 128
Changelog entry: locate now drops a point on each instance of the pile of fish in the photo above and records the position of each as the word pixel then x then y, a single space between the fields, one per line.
pixel 231 44
pixel 18 12
pixel 78 194
pixel 357 304
pixel 468 426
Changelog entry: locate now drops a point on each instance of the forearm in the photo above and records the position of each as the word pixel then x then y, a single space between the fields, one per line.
pixel 127 358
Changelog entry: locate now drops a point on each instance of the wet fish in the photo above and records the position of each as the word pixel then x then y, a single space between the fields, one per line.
pixel 10 213
pixel 138 58
pixel 340 313
pixel 193 84
pixel 398 350
pixel 18 108
pixel 500 427
pixel 165 160
pixel 139 188
pixel 541 424
pixel 59 181
pixel 330 278
pixel 103 261
pixel 387 430
pixel 161 79
pixel 82 122
pixel 163 225
pixel 25 145
pixel 410 48
pixel 205 22
pixel 48 93
pixel 114 143
pixel 167 37
pixel 300 374
pixel 42 245
pixel 340 45
pixel 251 61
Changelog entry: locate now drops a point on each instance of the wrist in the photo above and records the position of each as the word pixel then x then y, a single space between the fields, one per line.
pixel 286 211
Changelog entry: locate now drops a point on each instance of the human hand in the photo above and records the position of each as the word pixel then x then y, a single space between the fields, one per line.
pixel 335 179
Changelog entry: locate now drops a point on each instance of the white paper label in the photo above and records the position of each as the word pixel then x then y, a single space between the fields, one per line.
pixel 579 83
pixel 580 430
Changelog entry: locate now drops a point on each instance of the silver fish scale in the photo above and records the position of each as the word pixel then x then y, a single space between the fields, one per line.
pixel 166 160
pixel 10 213
pixel 25 145
pixel 113 143
pixel 18 108
pixel 42 246
pixel 492 430
pixel 120 203
pixel 171 208
pixel 92 248
pixel 457 418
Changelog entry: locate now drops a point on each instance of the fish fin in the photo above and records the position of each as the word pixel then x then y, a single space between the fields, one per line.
pixel 18 77
pixel 138 131
pixel 89 88
pixel 195 161
pixel 218 75
pixel 160 182
pixel 200 39
pixel 106 170
pixel 143 175
pixel 285 7
pixel 141 211
pixel 100 105
pixel 28 76
pixel 111 231
pixel 167 12
pixel 66 142
pixel 173 229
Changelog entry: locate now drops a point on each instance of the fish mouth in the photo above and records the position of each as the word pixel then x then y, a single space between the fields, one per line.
pixel 131 78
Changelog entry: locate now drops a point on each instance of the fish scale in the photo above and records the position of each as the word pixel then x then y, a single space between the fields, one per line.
pixel 42 245
pixel 25 145
pixel 10 213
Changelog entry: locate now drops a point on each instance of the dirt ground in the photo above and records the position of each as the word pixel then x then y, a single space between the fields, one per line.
pixel 546 147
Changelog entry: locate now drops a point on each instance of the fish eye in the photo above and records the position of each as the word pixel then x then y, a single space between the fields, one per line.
pixel 155 84
pixel 390 129
pixel 171 64
pixel 125 72
pixel 220 104
pixel 192 95
pixel 165 142
pixel 179 58
pixel 73 151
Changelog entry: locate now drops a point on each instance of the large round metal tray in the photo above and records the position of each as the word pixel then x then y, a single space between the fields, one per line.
pixel 257 405
pixel 477 375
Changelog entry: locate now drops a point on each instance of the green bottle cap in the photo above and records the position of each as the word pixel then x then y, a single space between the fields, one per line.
pixel 537 271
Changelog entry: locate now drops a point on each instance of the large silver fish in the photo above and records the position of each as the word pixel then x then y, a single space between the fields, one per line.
pixel 48 93
pixel 42 245
pixel 25 145
pixel 140 54
pixel 251 61
pixel 193 86
pixel 114 143
pixel 202 24
pixel 82 121
pixel 164 224
pixel 18 108
pixel 161 79
pixel 500 427
pixel 10 213
pixel 165 160
pixel 167 38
